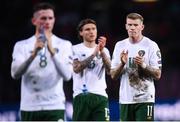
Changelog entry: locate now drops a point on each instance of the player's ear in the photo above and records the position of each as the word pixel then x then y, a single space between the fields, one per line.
pixel 33 21
pixel 143 26
pixel 80 33
pixel 126 26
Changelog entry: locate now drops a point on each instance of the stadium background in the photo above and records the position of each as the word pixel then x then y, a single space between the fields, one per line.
pixel 161 25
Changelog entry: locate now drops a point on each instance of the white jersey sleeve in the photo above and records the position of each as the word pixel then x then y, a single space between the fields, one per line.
pixel 63 61
pixel 115 58
pixel 18 57
pixel 119 47
pixel 155 57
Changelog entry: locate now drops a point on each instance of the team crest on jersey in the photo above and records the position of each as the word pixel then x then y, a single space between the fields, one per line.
pixel 83 55
pixel 141 53
pixel 158 53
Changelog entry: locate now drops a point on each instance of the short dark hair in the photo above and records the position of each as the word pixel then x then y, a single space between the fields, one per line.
pixel 135 16
pixel 82 23
pixel 43 6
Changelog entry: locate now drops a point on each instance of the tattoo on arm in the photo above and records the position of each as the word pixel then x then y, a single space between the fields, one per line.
pixel 115 73
pixel 152 72
pixel 107 62
pixel 79 66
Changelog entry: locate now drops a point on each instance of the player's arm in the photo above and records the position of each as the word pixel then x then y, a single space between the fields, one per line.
pixel 79 66
pixel 155 73
pixel 17 72
pixel 106 61
pixel 49 44
pixel 63 62
pixel 148 70
pixel 116 72
pixel 18 68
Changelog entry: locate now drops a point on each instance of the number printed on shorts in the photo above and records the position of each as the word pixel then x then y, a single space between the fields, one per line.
pixel 107 114
pixel 149 110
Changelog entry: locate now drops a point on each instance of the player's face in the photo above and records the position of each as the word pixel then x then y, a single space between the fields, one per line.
pixel 44 18
pixel 134 28
pixel 89 32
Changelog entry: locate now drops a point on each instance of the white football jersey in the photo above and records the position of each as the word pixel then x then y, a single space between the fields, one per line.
pixel 42 85
pixel 135 86
pixel 92 79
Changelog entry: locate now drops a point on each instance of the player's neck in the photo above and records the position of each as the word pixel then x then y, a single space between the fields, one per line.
pixel 136 39
pixel 89 44
pixel 46 33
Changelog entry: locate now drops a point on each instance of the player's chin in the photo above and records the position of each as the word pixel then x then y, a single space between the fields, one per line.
pixel 92 38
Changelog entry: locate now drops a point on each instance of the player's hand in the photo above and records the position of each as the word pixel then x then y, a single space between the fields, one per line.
pixel 140 61
pixel 38 45
pixel 101 43
pixel 76 65
pixel 96 50
pixel 49 42
pixel 124 56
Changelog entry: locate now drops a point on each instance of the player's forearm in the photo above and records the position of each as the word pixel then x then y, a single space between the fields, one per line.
pixel 155 73
pixel 107 62
pixel 51 49
pixel 115 73
pixel 83 64
pixel 18 71
pixel 64 68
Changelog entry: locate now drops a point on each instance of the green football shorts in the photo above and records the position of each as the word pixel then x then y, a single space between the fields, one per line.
pixel 137 112
pixel 45 115
pixel 90 107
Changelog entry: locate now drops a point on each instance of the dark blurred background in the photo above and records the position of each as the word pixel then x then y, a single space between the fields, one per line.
pixel 161 25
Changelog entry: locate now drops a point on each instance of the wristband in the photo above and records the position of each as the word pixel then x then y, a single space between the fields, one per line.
pixel 144 65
